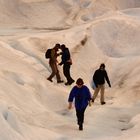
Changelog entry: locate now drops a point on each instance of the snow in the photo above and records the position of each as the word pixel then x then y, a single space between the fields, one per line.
pixel 103 31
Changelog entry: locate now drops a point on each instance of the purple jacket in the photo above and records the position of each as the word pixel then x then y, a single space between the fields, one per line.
pixel 81 95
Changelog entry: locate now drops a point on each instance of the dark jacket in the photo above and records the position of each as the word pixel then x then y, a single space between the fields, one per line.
pixel 100 76
pixel 65 56
pixel 81 95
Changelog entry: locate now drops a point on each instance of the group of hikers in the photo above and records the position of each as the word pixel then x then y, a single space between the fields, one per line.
pixel 65 61
pixel 80 93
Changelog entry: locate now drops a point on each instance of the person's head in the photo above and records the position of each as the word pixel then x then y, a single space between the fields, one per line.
pixel 79 82
pixel 62 47
pixel 102 66
pixel 57 46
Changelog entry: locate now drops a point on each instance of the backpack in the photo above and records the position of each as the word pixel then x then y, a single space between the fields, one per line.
pixel 48 54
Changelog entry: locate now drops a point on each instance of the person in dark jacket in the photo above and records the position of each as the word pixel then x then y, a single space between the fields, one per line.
pixel 99 78
pixel 53 64
pixel 66 62
pixel 82 97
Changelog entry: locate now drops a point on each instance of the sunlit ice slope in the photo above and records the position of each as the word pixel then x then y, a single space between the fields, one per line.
pixel 33 108
pixel 57 13
pixel 39 105
pixel 19 14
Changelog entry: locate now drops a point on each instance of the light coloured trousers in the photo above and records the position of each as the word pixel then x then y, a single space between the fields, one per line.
pixel 100 88
pixel 54 72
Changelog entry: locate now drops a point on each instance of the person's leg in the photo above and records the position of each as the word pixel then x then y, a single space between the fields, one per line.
pixel 82 115
pixel 58 78
pixel 95 93
pixel 66 71
pixel 53 72
pixel 80 118
pixel 57 74
pixel 71 80
pixel 102 94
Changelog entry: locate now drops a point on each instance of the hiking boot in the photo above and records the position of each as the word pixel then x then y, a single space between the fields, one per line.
pixel 102 103
pixel 72 81
pixel 60 81
pixel 81 127
pixel 67 83
pixel 49 79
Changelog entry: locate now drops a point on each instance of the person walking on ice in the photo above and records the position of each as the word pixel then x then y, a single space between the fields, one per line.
pixel 99 78
pixel 66 62
pixel 53 64
pixel 82 97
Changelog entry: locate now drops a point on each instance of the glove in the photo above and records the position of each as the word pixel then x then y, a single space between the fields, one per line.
pixel 60 64
pixel 70 105
pixel 60 53
pixel 89 103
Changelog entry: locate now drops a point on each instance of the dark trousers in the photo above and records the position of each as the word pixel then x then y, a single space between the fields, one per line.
pixel 80 116
pixel 66 71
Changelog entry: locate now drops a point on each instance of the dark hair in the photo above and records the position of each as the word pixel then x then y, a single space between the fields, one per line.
pixel 79 81
pixel 57 46
pixel 102 65
pixel 63 46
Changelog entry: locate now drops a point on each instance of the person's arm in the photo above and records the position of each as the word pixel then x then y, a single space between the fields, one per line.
pixel 62 59
pixel 88 94
pixel 71 97
pixel 89 97
pixel 95 78
pixel 70 105
pixel 61 63
pixel 107 79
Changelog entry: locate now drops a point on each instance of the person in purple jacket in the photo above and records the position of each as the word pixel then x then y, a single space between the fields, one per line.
pixel 82 97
